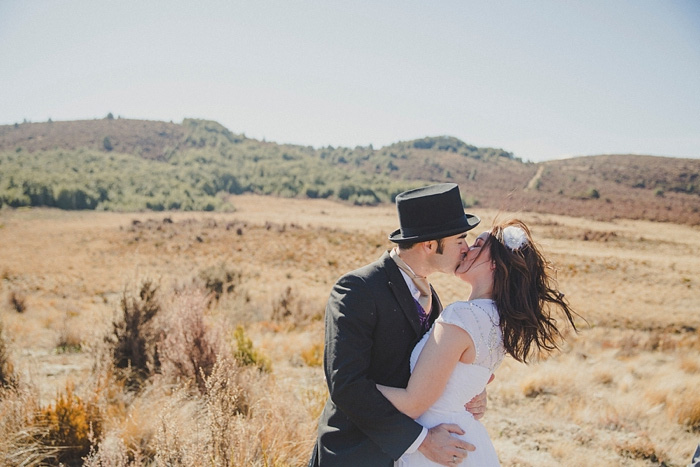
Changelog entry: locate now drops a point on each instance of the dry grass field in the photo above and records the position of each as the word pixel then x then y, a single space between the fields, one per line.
pixel 243 294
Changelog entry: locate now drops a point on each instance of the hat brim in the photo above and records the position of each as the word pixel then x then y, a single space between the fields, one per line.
pixel 472 221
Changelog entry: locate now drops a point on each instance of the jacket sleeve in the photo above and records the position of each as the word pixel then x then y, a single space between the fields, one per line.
pixel 351 317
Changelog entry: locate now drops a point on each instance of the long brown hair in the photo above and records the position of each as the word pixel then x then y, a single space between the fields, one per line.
pixel 525 293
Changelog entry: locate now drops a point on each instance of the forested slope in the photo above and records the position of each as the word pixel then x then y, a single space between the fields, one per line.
pixel 120 164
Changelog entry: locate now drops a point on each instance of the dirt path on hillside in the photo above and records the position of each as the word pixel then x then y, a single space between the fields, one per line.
pixel 532 184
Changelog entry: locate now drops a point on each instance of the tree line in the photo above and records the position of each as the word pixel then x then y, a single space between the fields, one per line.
pixel 207 165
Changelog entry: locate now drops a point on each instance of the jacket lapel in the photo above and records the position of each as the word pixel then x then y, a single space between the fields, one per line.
pixel 436 308
pixel 398 286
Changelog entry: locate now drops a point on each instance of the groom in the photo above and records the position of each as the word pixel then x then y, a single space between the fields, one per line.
pixel 374 317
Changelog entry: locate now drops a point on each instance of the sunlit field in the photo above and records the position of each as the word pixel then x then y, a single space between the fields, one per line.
pixel 219 318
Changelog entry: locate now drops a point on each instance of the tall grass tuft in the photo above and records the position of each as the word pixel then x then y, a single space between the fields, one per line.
pixel 8 378
pixel 20 438
pixel 252 421
pixel 134 336
pixel 684 406
pixel 226 400
pixel 178 441
pixel 111 453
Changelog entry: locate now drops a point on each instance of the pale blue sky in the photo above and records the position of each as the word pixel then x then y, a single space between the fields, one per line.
pixel 542 79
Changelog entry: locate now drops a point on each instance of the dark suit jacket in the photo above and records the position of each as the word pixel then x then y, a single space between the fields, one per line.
pixel 372 326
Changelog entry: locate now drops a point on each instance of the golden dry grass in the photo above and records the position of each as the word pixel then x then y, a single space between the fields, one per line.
pixel 622 392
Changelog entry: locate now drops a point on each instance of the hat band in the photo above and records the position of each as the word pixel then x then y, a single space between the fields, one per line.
pixel 409 232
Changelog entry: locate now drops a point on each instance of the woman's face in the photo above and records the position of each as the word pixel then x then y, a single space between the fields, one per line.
pixel 477 260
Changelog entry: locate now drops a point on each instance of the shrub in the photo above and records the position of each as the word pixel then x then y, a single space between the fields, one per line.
pixel 69 340
pixel 283 308
pixel 640 447
pixel 246 355
pixel 189 349
pixel 219 279
pixel 313 356
pixel 71 425
pixel 134 336
pixel 295 308
pixel 18 301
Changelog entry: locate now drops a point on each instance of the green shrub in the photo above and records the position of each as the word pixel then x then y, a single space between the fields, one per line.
pixel 246 355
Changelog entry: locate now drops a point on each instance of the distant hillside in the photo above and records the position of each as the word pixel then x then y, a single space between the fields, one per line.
pixel 119 164
pixel 147 139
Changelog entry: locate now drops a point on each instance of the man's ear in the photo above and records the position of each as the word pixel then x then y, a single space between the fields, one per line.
pixel 430 246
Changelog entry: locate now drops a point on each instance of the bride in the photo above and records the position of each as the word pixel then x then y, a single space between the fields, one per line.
pixel 508 311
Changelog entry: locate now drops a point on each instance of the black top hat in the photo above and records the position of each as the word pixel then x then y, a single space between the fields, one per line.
pixel 430 213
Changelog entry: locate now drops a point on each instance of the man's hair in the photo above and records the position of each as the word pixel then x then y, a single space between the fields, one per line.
pixel 409 245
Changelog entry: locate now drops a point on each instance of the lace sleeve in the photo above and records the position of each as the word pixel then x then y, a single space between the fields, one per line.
pixel 463 315
pixel 481 327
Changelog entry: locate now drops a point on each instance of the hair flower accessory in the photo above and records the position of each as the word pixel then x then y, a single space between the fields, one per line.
pixel 514 237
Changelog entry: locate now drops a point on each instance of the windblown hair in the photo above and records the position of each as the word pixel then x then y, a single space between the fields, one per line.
pixel 525 293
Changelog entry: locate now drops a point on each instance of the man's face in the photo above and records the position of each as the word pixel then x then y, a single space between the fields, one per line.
pixel 454 249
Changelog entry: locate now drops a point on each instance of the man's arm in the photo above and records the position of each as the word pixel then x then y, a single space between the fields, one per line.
pixel 441 447
pixel 477 406
pixel 350 331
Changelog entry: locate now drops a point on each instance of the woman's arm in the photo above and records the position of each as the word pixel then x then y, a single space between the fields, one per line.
pixel 444 348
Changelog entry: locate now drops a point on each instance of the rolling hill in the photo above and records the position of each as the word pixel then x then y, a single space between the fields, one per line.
pixel 122 164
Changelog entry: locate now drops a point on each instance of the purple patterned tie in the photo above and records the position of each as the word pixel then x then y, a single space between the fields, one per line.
pixel 422 316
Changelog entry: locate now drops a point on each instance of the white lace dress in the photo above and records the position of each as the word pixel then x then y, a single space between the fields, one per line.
pixel 480 319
